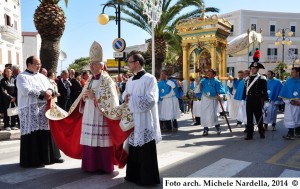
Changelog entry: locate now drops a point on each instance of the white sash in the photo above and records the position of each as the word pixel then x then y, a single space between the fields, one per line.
pixel 249 86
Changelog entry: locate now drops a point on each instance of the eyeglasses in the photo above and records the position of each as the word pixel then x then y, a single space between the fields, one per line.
pixel 37 64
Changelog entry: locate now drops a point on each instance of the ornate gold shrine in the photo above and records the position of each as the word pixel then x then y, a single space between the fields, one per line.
pixel 204 43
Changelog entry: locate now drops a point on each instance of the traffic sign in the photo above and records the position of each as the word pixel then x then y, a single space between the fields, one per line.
pixel 119 54
pixel 112 63
pixel 119 44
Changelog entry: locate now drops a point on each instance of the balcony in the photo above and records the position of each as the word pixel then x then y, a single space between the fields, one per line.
pixel 272 58
pixel 10 33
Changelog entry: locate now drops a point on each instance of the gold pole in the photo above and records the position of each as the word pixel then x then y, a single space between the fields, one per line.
pixel 213 55
pixel 185 48
pixel 224 63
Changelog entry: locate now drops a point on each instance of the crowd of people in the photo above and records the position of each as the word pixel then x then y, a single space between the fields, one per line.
pixel 95 104
pixel 250 99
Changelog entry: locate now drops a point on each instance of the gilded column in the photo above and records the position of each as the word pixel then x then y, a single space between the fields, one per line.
pixel 213 53
pixel 224 58
pixel 185 69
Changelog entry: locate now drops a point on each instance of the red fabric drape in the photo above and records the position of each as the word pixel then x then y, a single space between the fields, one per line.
pixel 66 134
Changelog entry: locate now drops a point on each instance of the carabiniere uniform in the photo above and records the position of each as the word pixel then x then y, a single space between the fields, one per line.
pixel 257 95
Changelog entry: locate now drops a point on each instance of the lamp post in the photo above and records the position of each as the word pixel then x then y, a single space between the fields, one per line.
pixel 281 35
pixel 104 19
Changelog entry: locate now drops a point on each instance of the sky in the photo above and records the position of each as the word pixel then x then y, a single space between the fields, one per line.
pixel 82 27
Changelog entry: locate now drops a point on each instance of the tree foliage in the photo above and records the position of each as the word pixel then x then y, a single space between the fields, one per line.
pixel 79 64
pixel 172 12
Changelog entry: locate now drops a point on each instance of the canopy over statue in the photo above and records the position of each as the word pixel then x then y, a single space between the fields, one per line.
pixel 240 44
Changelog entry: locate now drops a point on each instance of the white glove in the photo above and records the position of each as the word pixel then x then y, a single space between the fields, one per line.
pixel 267 104
pixel 243 102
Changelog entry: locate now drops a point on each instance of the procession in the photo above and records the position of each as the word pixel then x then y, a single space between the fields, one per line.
pixel 115 119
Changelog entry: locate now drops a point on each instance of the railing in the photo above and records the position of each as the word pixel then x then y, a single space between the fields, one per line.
pixel 272 58
pixel 10 32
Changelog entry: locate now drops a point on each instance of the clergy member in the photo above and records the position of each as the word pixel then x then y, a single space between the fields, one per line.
pixel 34 90
pixel 141 94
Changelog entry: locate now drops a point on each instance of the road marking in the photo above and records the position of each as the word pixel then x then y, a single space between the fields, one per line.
pixel 116 178
pixel 290 173
pixel 29 174
pixel 222 168
pixel 292 160
pixel 107 180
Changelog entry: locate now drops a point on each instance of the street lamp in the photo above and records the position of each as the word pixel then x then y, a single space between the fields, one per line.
pixel 284 40
pixel 104 19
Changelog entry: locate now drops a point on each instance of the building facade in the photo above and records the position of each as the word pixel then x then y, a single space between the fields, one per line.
pixel 10 33
pixel 31 45
pixel 268 23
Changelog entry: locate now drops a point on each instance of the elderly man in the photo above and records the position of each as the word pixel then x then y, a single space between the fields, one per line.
pixel 34 90
pixel 64 89
pixel 71 74
pixel 93 119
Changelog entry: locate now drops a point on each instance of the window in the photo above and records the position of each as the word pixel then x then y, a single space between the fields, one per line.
pixel 272 54
pixel 293 53
pixel 7 20
pixel 272 30
pixel 253 27
pixel 272 51
pixel 232 30
pixel 293 29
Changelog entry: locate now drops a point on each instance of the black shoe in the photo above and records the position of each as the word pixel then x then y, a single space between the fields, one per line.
pixel 288 137
pixel 262 136
pixel 205 132
pixel 59 161
pixel 248 138
pixel 245 131
pixel 196 124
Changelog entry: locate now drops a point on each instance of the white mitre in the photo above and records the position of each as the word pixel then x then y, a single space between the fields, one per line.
pixel 96 53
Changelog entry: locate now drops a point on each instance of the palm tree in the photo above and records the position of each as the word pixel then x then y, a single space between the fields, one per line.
pixel 175 52
pixel 170 15
pixel 50 20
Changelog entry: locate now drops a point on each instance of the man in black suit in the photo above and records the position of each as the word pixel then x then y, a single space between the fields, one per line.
pixel 76 87
pixel 64 88
pixel 256 95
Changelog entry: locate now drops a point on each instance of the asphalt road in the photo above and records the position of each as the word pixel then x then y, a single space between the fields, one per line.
pixel 185 154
